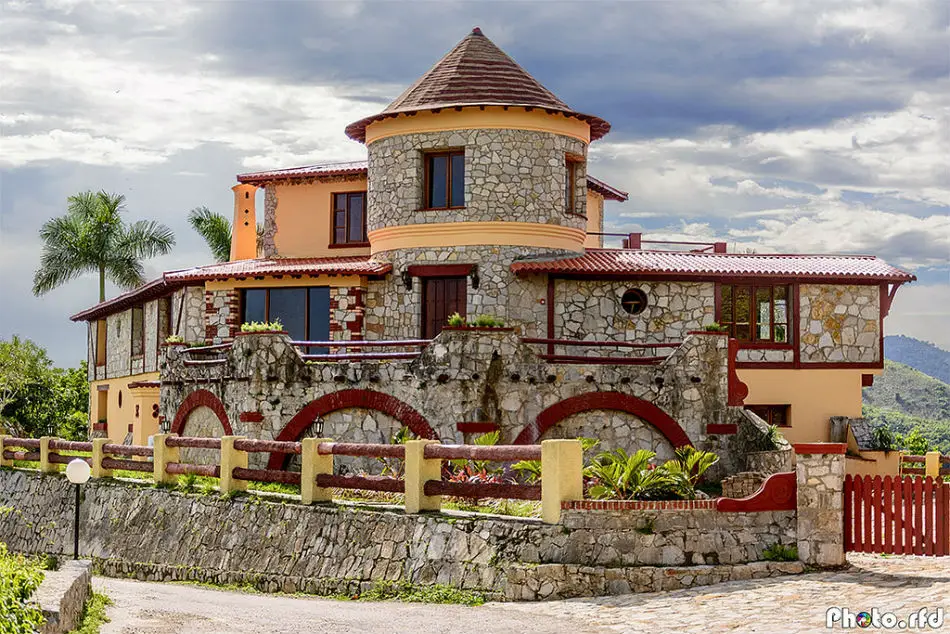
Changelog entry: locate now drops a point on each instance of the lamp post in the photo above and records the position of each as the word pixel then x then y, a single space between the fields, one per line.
pixel 77 472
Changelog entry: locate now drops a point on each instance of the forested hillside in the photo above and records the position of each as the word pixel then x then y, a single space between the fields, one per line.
pixel 920 355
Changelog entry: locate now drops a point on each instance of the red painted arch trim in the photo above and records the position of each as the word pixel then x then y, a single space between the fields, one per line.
pixel 345 399
pixel 201 398
pixel 616 401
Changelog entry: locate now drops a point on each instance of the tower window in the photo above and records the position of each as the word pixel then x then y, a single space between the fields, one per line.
pixel 445 179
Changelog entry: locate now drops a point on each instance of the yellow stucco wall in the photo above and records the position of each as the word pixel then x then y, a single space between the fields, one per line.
pixel 304 218
pixel 814 396
pixel 595 214
pixel 119 418
pixel 475 118
pixel 874 463
pixel 343 281
pixel 437 234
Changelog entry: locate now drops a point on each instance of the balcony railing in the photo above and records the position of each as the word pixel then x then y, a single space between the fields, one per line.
pixel 364 350
pixel 636 241
pixel 653 359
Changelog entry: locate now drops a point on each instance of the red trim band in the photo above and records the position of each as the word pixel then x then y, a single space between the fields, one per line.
pixel 818 448
pixel 476 428
pixel 440 270
pixel 722 428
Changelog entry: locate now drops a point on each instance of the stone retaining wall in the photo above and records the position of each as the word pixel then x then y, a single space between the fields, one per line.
pixel 277 544
pixel 63 595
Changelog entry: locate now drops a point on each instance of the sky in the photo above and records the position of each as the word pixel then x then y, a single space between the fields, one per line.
pixel 777 126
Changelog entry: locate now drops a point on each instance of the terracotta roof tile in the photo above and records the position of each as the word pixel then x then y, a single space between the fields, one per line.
pixel 476 73
pixel 173 280
pixel 670 264
pixel 353 265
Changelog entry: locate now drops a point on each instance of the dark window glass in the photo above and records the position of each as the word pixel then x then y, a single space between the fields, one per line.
pixel 349 218
pixel 458 180
pixel 318 326
pixel 289 305
pixel 138 331
pixel 356 218
pixel 438 181
pixel 569 186
pixel 255 305
pixel 777 415
pixel 760 312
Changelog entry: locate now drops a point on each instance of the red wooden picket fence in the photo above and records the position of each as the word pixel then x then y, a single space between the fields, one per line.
pixel 897 515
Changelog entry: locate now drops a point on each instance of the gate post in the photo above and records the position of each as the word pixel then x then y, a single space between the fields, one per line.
pixel 820 471
pixel 932 464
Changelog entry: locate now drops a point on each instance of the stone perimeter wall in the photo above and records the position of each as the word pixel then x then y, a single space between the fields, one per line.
pixel 283 546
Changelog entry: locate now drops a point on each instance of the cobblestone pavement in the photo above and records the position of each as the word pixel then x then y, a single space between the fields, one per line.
pixel 786 605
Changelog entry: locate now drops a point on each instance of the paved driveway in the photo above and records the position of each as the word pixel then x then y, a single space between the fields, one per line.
pixel 788 605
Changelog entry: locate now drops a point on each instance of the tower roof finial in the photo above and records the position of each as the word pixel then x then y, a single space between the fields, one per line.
pixel 477 31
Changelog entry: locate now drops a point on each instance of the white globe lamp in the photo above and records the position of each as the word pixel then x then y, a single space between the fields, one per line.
pixel 77 472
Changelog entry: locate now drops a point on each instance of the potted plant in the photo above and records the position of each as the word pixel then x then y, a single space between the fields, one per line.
pixel 479 322
pixel 274 327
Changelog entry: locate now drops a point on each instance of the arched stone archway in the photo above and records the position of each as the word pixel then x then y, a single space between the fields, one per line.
pixel 201 414
pixel 610 401
pixel 350 399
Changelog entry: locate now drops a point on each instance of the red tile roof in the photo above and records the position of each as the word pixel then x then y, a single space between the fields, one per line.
pixel 359 168
pixel 345 168
pixel 173 280
pixel 476 73
pixel 353 265
pixel 684 265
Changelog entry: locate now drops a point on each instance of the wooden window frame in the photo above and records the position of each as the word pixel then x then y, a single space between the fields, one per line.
pixel 791 300
pixel 347 243
pixel 267 290
pixel 427 156
pixel 768 418
pixel 102 338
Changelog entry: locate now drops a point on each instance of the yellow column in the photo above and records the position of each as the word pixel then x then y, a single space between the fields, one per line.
pixel 45 465
pixel 419 469
pixel 230 459
pixel 98 471
pixel 562 476
pixel 244 227
pixel 3 461
pixel 312 464
pixel 162 454
pixel 932 464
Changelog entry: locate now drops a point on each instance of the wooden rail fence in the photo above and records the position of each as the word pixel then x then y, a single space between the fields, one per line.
pixel 424 484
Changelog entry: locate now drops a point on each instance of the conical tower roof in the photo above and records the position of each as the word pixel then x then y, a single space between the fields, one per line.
pixel 476 73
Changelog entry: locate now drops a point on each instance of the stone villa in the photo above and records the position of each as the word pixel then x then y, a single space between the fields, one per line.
pixel 475 199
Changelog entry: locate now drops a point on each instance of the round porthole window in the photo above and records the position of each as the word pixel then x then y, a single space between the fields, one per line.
pixel 634 301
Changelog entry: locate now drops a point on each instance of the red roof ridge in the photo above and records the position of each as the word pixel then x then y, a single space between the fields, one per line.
pixel 748 255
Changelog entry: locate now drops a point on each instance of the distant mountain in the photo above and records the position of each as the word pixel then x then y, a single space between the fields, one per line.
pixel 904 389
pixel 920 355
pixel 903 399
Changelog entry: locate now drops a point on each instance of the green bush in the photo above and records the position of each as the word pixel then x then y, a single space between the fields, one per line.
pixel 715 327
pixel 456 320
pixel 19 577
pixel 174 339
pixel 262 326
pixel 617 475
pixel 778 552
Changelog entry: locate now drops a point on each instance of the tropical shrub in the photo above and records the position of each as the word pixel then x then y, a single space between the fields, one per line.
pixel 687 468
pixel 263 326
pixel 19 578
pixel 530 470
pixel 456 320
pixel 617 475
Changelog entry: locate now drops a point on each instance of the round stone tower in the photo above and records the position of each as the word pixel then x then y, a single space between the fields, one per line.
pixel 474 166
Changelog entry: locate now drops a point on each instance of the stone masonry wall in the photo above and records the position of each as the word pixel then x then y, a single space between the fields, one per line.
pixel 591 310
pixel 281 545
pixel 462 377
pixel 840 323
pixel 222 315
pixel 510 175
pixel 392 312
pixel 347 313
pixel 188 317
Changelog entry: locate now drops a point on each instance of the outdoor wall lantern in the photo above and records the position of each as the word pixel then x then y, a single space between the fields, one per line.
pixel 77 472
pixel 407 280
pixel 474 276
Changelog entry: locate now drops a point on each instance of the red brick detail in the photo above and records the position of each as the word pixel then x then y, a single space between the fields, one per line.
pixel 723 428
pixel 867 380
pixel 638 505
pixel 778 493
pixel 738 391
pixel 615 401
pixel 201 398
pixel 251 417
pixel 346 399
pixel 820 447
pixel 99 427
pixel 476 428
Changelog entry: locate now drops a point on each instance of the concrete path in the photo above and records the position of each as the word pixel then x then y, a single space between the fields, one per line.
pixel 787 605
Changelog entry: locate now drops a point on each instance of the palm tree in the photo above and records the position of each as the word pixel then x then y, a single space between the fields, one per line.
pixel 93 237
pixel 216 231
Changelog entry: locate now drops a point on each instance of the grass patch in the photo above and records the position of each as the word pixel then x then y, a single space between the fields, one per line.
pixel 94 614
pixel 778 552
pixel 412 593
